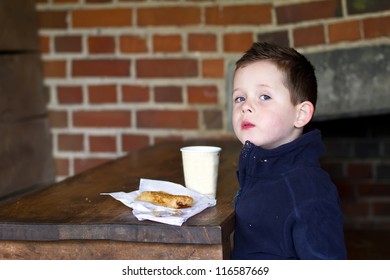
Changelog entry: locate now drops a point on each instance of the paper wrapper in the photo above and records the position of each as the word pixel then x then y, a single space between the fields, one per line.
pixel 148 211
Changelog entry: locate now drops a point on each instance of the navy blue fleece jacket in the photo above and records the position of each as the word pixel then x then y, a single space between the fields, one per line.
pixel 287 206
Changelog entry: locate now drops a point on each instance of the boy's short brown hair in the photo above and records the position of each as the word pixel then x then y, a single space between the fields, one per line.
pixel 299 73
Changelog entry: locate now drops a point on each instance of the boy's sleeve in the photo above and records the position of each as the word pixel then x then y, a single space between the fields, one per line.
pixel 318 232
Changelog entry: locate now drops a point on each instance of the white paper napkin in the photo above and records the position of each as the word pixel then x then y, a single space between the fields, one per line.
pixel 148 211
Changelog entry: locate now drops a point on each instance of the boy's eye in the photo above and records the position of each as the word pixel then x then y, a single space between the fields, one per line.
pixel 265 97
pixel 239 99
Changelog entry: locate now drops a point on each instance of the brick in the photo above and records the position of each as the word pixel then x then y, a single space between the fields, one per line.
pixel 171 138
pixel 386 148
pixel 68 44
pixel 344 31
pixel 132 142
pixel 132 93
pixel 120 17
pixel 58 119
pixel 166 68
pixel 309 36
pixel 367 149
pixel 167 43
pixel 164 16
pixel 213 119
pixel 361 7
pixel 356 209
pixel 70 142
pixel 276 37
pixel 102 94
pixel 381 208
pixel 69 94
pixel 100 68
pixel 44 44
pixel 202 94
pixel 335 169
pixel 186 119
pixel 109 119
pixel 374 223
pixel 168 94
pixel 99 1
pixel 101 44
pixel 83 164
pixel 359 171
pixel 383 171
pixel 65 1
pixel 62 166
pixel 102 143
pixel 202 42
pixel 338 148
pixel 54 68
pixel 133 44
pixel 213 68
pixel 239 14
pixel 294 13
pixel 52 19
pixel 376 27
pixel 237 42
pixel 345 191
pixel 374 190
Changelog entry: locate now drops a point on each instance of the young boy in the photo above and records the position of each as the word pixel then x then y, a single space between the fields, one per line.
pixel 287 206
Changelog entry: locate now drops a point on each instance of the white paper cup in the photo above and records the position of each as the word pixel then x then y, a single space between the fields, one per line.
pixel 200 166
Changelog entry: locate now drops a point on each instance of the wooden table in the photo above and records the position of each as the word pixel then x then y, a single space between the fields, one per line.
pixel 71 220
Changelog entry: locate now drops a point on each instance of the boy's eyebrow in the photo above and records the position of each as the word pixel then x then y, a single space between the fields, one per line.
pixel 236 89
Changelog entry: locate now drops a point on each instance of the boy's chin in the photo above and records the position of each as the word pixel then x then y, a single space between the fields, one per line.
pixel 244 140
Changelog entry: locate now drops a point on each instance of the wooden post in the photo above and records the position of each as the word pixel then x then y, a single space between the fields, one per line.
pixel 26 162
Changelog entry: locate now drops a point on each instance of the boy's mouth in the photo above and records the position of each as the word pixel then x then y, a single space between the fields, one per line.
pixel 247 125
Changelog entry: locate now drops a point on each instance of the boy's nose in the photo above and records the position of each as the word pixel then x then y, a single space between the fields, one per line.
pixel 247 108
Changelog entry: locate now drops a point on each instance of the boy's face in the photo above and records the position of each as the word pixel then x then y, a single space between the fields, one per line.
pixel 262 108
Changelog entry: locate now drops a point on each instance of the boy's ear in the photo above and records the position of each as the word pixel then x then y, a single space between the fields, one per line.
pixel 305 111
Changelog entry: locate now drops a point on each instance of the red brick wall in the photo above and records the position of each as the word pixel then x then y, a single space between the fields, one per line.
pixel 123 74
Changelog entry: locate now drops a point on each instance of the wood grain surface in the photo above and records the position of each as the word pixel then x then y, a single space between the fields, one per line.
pixel 74 209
